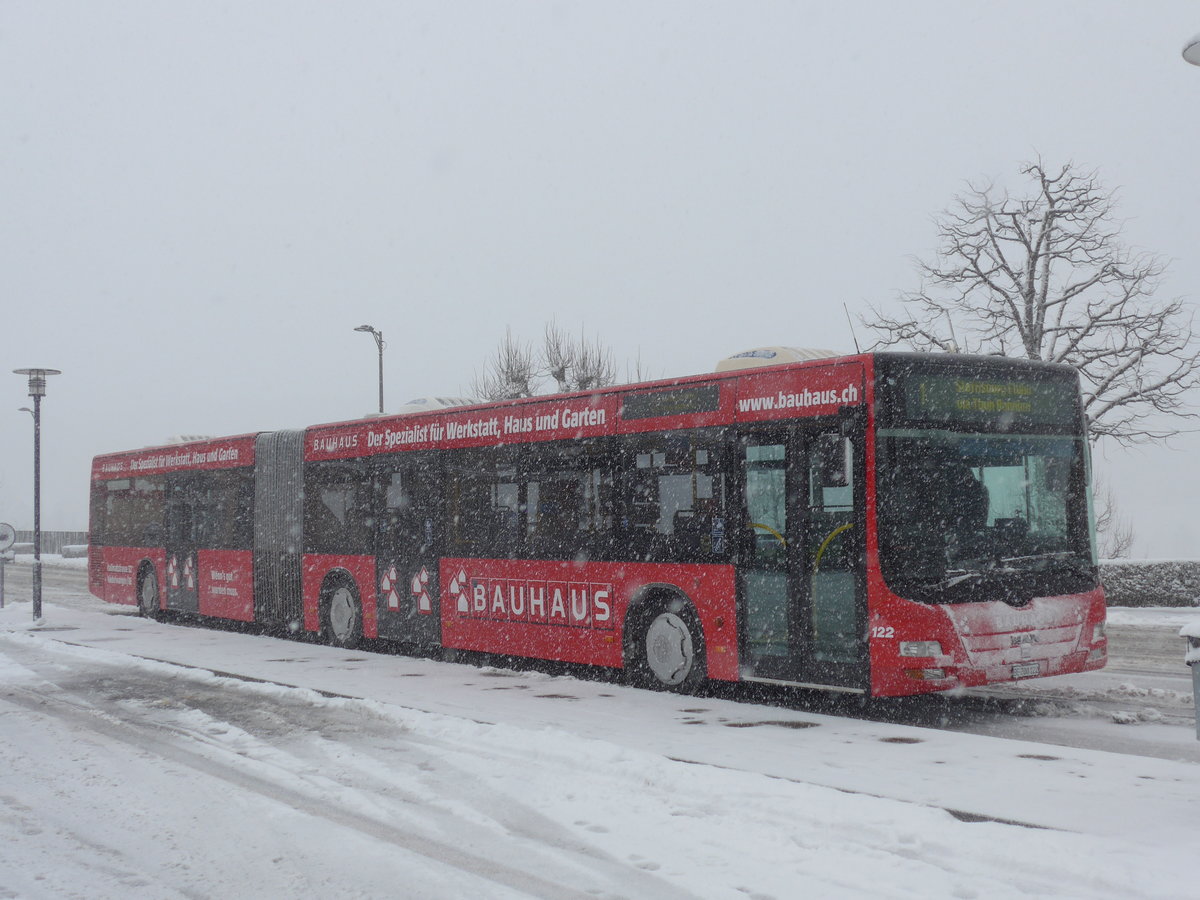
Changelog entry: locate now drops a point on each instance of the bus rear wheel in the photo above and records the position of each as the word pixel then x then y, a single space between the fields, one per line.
pixel 667 652
pixel 342 615
pixel 148 603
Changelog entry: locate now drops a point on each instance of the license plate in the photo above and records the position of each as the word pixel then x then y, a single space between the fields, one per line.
pixel 1026 670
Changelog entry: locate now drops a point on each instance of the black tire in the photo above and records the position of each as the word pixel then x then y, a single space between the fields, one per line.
pixel 149 604
pixel 341 614
pixel 665 648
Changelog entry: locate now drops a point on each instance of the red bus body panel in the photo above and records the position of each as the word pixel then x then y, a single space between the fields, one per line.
pixel 817 389
pixel 117 572
pixel 361 569
pixel 574 612
pixel 980 642
pixel 226 584
pixel 223 453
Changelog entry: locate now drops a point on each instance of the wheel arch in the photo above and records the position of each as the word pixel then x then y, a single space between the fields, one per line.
pixel 147 568
pixel 651 592
pixel 645 602
pixel 336 574
pixel 319 571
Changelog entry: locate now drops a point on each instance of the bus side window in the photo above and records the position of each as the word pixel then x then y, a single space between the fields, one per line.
pixel 187 494
pixel 226 521
pixel 400 525
pixel 830 499
pixel 130 501
pixel 337 509
pixel 567 505
pixel 484 505
pixel 675 503
pixel 396 495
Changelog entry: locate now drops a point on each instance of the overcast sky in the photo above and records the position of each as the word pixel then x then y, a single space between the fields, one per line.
pixel 200 200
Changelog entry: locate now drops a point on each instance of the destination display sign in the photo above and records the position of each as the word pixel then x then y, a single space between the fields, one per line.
pixel 977 400
pixel 681 401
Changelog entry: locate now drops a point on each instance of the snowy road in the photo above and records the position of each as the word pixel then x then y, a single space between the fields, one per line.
pixel 281 758
pixel 132 769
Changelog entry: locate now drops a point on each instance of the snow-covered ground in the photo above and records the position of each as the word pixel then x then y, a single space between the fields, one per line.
pixel 140 759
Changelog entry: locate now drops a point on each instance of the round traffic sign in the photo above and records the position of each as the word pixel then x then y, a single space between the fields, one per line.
pixel 8 535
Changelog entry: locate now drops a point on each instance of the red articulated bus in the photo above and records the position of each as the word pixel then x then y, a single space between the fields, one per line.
pixel 884 524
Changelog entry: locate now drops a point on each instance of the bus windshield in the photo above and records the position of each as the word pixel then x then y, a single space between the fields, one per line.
pixel 970 516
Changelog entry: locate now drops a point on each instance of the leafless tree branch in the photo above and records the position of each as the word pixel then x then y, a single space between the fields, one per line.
pixel 1046 276
pixel 511 373
pixel 518 370
pixel 1114 532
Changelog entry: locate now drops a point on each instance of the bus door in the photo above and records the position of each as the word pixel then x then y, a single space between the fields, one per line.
pixel 834 570
pixel 800 569
pixel 406 549
pixel 770 591
pixel 185 490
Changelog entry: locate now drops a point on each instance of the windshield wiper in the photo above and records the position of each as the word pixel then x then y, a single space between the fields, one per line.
pixel 1058 559
pixel 985 568
pixel 1037 557
pixel 959 576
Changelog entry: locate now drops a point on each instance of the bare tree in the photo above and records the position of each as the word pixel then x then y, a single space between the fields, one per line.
pixel 512 372
pixel 1114 532
pixel 594 366
pixel 1044 275
pixel 636 370
pixel 517 370
pixel 559 355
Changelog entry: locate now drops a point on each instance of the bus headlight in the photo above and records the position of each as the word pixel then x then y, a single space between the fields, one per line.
pixel 920 648
pixel 1099 631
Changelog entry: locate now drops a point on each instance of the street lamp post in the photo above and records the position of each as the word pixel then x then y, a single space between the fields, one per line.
pixel 37 390
pixel 1191 631
pixel 378 335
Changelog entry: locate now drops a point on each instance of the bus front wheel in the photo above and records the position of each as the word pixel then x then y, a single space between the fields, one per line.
pixel 667 652
pixel 342 615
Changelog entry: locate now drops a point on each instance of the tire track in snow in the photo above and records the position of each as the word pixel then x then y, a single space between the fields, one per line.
pixel 137 728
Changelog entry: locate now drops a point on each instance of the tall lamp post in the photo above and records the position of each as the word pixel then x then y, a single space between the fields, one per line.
pixel 37 390
pixel 1191 631
pixel 378 335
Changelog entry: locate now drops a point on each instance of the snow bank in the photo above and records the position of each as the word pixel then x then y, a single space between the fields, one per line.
pixel 1151 582
pixel 55 560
